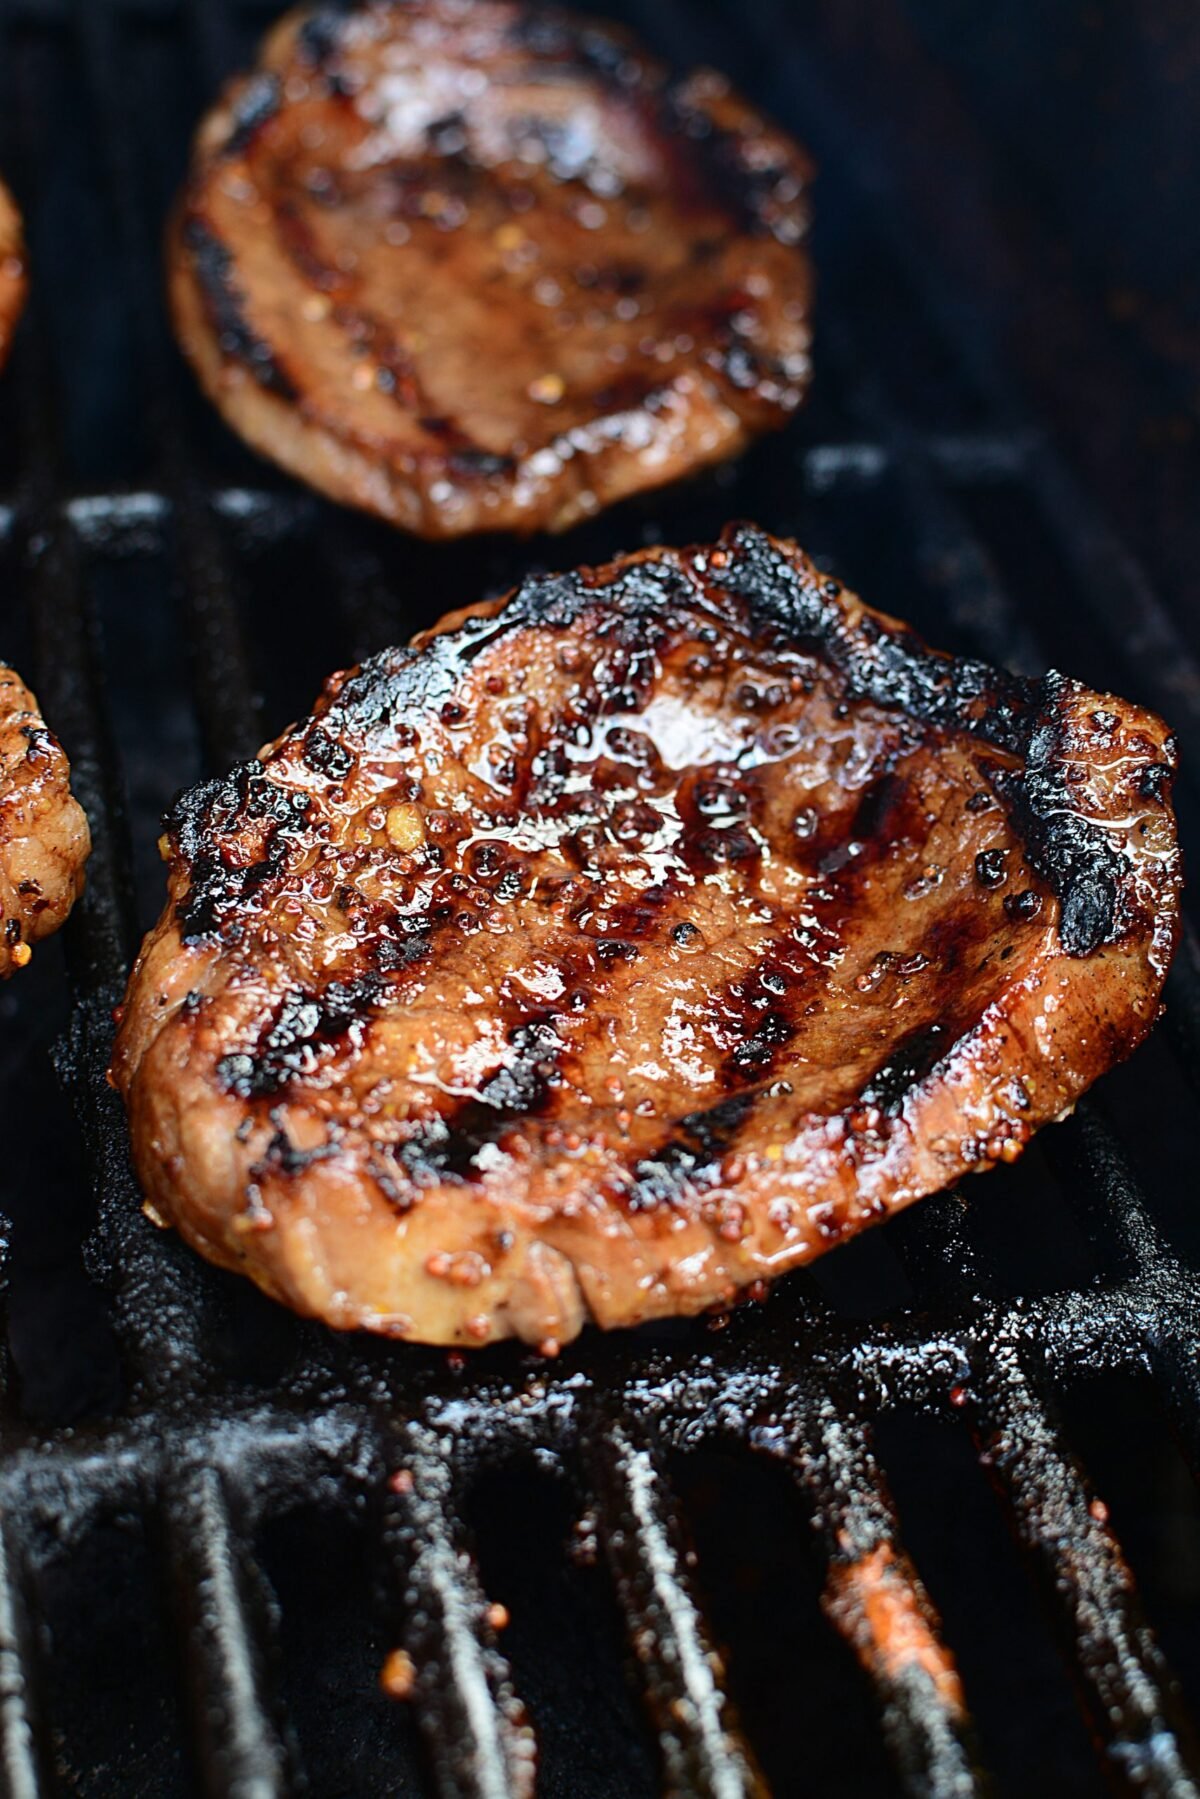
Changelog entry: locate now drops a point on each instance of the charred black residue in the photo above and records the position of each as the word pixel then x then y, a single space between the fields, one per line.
pixel 213 263
pixel 204 822
pixel 476 464
pixel 756 1053
pixel 305 1026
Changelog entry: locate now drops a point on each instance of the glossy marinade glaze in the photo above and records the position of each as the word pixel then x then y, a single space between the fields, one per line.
pixel 484 268
pixel 634 939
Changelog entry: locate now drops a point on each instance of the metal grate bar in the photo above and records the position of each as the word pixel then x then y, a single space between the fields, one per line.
pixel 479 1742
pixel 1111 1650
pixel 875 1599
pixel 21 1771
pixel 1130 1695
pixel 1092 1169
pixel 363 593
pixel 702 1749
pixel 226 700
pixel 240 1753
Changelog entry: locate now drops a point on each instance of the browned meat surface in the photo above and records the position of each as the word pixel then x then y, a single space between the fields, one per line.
pixel 12 270
pixel 471 268
pixel 44 839
pixel 639 938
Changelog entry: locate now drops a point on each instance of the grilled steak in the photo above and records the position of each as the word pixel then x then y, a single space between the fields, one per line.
pixel 633 939
pixel 12 270
pixel 44 839
pixel 474 268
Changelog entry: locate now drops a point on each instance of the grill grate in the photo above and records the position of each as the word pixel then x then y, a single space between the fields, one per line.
pixel 165 604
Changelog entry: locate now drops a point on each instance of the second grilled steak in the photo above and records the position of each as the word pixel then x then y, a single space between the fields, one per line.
pixel 634 940
pixel 12 269
pixel 482 269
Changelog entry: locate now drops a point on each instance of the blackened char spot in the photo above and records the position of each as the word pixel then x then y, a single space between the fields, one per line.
pixel 448 1147
pixel 205 814
pixel 327 755
pixel 304 1028
pixel 908 1065
pixel 213 264
pixel 257 103
pixel 473 463
pixel 692 1157
pixel 318 37
pixel 759 1050
pixel 1073 856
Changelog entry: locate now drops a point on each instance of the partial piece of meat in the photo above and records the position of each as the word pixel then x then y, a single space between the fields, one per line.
pixel 627 942
pixel 44 840
pixel 13 275
pixel 481 268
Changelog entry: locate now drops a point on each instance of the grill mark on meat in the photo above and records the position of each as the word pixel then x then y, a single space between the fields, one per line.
pixel 907 1066
pixel 304 1028
pixel 692 1157
pixel 449 1144
pixel 226 303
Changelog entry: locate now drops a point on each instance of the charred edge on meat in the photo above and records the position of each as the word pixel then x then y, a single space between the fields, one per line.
pixel 203 816
pixel 320 34
pixel 213 262
pixel 1024 718
pixel 759 197
pixel 890 668
pixel 577 47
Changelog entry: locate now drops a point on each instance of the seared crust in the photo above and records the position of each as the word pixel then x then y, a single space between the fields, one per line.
pixel 479 269
pixel 44 839
pixel 629 941
pixel 13 275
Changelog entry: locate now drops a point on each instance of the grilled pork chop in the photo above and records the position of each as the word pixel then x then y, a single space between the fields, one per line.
pixel 474 268
pixel 630 940
pixel 44 840
pixel 12 269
